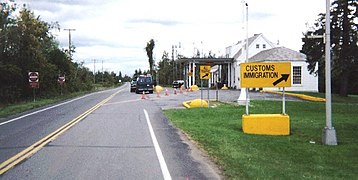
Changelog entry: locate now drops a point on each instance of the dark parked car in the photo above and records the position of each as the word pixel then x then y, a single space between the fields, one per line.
pixel 144 84
pixel 178 83
pixel 133 85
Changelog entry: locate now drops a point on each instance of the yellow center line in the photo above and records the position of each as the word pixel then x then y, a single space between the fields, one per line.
pixel 26 153
pixel 121 102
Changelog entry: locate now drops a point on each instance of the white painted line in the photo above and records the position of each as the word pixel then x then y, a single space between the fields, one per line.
pixel 42 110
pixel 163 165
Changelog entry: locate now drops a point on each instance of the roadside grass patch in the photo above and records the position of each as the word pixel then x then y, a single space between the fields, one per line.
pixel 300 155
pixel 28 105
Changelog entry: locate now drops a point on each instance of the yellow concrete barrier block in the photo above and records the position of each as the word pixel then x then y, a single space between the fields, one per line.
pixel 158 88
pixel 195 103
pixel 194 88
pixel 266 124
pixel 224 87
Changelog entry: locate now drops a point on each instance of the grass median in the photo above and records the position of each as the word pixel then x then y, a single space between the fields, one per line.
pixel 300 155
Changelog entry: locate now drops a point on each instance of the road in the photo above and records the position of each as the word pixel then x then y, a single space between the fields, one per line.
pixel 124 137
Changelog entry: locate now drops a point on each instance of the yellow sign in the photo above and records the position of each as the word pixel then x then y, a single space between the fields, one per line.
pixel 190 73
pixel 258 75
pixel 205 72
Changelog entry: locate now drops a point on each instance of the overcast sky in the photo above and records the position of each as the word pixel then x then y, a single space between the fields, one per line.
pixel 116 31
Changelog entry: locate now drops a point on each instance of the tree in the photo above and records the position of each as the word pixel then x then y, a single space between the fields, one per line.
pixel 26 44
pixel 165 69
pixel 343 43
pixel 149 49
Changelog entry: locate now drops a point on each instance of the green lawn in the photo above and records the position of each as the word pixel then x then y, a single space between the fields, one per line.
pixel 28 105
pixel 298 156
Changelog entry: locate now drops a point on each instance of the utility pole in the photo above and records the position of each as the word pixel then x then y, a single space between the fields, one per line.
pixel 329 133
pixel 69 40
pixel 94 71
pixel 102 72
pixel 173 62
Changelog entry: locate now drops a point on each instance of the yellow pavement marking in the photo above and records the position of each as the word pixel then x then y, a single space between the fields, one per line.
pixel 121 102
pixel 26 153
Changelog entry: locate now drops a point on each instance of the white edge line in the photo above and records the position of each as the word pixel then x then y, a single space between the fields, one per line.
pixel 15 119
pixel 163 165
pixel 23 116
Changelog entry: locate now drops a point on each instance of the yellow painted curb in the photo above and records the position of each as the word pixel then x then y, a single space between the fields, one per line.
pixel 301 96
pixel 266 124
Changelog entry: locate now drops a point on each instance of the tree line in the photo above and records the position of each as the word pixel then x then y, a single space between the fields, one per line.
pixel 27 45
pixel 344 48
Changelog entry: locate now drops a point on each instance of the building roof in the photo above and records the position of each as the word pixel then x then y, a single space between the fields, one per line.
pixel 251 41
pixel 278 54
pixel 212 61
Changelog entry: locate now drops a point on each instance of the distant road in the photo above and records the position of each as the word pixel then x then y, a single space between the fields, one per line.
pixel 122 137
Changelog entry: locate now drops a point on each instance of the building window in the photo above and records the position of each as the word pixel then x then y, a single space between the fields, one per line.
pixel 297 75
pixel 257 46
pixel 264 46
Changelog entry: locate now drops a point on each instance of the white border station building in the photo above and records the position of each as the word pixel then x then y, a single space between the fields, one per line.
pixel 226 70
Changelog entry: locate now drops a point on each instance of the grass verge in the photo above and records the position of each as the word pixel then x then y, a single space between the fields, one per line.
pixel 28 105
pixel 300 155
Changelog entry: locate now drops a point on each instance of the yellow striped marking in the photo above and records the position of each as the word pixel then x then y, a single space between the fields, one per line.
pixel 28 152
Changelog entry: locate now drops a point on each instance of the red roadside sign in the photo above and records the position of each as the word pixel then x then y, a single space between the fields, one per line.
pixel 33 76
pixel 61 80
pixel 34 79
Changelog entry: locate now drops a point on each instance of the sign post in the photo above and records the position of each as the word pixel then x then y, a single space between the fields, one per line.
pixel 34 82
pixel 61 80
pixel 259 75
pixel 205 75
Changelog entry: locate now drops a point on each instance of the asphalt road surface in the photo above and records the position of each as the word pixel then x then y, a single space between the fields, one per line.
pixel 123 137
pixel 113 134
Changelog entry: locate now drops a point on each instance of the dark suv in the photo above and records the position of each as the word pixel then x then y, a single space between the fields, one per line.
pixel 144 84
pixel 133 85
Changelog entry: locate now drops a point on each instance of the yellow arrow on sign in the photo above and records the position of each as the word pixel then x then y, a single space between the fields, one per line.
pixel 205 72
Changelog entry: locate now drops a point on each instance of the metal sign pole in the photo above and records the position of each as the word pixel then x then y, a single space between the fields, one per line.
pixel 33 91
pixel 201 93
pixel 217 86
pixel 208 94
pixel 247 101
pixel 283 102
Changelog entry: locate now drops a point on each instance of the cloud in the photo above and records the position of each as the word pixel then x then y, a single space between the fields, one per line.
pixel 117 31
pixel 154 21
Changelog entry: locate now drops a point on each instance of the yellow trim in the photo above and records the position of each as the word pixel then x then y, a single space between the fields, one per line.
pixel 301 96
